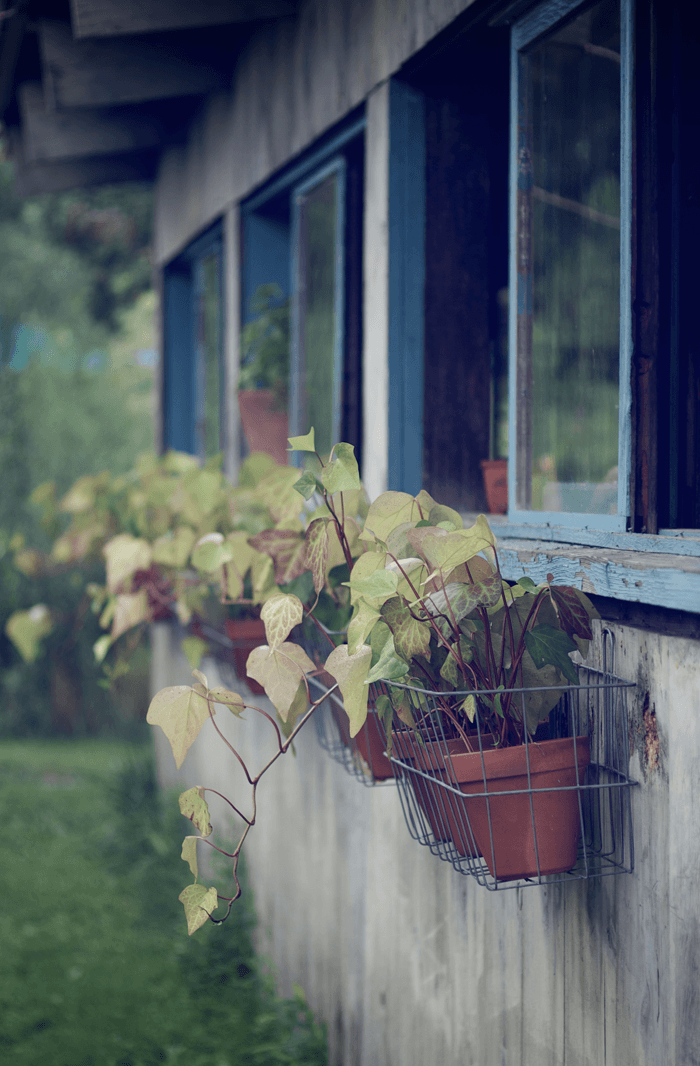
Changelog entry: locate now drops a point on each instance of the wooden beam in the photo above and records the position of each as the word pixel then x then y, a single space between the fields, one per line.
pixel 124 71
pixel 115 18
pixel 83 131
pixel 33 179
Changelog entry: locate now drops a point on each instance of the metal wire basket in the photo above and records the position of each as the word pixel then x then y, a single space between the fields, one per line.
pixel 363 756
pixel 555 808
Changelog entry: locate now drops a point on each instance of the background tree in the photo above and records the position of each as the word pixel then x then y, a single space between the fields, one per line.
pixel 76 373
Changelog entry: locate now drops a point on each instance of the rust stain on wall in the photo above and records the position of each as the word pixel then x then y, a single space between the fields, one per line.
pixel 651 735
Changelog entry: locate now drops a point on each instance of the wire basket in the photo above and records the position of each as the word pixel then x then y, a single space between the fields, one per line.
pixel 556 808
pixel 363 756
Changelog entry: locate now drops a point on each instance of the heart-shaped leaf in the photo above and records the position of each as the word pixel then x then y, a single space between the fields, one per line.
pixel 281 614
pixel 305 443
pixel 341 473
pixel 194 806
pixel 125 555
pixel 181 713
pixel 350 671
pixel 550 646
pixel 280 673
pixel 411 636
pixel 189 854
pixel 317 548
pixel 199 903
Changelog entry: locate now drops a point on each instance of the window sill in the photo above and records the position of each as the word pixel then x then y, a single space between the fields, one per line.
pixel 662 571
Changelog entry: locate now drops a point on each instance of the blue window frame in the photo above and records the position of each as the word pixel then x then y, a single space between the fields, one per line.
pixel 193 328
pixel 303 232
pixel 570 318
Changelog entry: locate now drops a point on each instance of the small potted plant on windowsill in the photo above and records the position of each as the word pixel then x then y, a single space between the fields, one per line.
pixel 263 382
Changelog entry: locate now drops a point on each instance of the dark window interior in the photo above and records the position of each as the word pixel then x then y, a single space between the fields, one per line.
pixel 466 90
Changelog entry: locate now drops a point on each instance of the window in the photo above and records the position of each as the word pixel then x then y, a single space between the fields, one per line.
pixel 193 381
pixel 570 319
pixel 303 232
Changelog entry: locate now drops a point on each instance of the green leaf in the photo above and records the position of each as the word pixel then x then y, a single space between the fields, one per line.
pixel 211 552
pixel 194 806
pixel 232 700
pixel 125 555
pixel 27 628
pixel 469 707
pixel 307 485
pixel 437 512
pixel 341 473
pixel 305 443
pixel 317 548
pixel 550 646
pixel 195 649
pixel 527 583
pixel 287 549
pixel 350 671
pixel 411 636
pixel 361 624
pixel 281 614
pixel 574 610
pixel 385 712
pixel 364 567
pixel 445 550
pixel 299 705
pixel 401 701
pixel 389 667
pixel 280 672
pixel 189 854
pixel 199 903
pixel 390 510
pixel 377 588
pixel 173 549
pixel 130 609
pixel 180 712
pixel 101 647
pixel 451 671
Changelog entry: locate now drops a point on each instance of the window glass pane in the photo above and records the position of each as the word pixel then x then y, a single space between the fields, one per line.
pixel 569 265
pixel 317 285
pixel 209 335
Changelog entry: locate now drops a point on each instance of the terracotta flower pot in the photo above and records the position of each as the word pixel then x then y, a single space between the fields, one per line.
pixel 265 428
pixel 553 820
pixel 371 744
pixel 245 634
pixel 445 812
pixel 495 473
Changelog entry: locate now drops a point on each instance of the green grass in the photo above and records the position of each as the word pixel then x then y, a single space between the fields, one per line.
pixel 96 968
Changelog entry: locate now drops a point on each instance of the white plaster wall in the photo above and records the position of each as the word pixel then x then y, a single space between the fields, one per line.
pixel 412 964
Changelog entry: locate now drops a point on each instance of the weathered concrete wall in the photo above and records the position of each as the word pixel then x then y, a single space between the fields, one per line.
pixel 412 964
pixel 293 81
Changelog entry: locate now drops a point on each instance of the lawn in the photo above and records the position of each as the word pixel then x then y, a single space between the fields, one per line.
pixel 96 968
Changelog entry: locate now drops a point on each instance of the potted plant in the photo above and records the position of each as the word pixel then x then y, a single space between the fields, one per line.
pixel 474 666
pixel 263 383
pixel 431 618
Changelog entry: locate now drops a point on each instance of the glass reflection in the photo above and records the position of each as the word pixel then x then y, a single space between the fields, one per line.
pixel 569 265
pixel 317 327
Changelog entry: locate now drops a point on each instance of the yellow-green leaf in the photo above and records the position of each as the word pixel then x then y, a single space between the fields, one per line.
pixel 317 547
pixel 411 636
pixel 361 625
pixel 211 552
pixel 194 649
pixel 181 713
pixel 444 550
pixel 189 854
pixel 304 443
pixel 194 806
pixel 341 472
pixel 125 555
pixel 232 700
pixel 279 672
pixel 281 614
pixel 199 903
pixel 350 671
pixel 27 628
pixel 173 548
pixel 130 609
pixel 388 511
